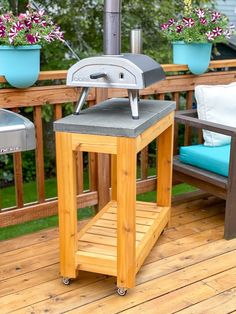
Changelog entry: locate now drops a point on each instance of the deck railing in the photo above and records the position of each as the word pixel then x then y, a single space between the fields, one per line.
pixel 178 86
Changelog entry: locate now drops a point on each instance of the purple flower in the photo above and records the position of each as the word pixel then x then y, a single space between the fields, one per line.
pixel 164 26
pixel 28 23
pixel 32 39
pixel 2 31
pixel 179 28
pixel 215 16
pixel 13 32
pixel 188 22
pixel 35 18
pixel 217 31
pixel 210 35
pixel 18 26
pixel 171 22
pixel 200 13
pixel 43 23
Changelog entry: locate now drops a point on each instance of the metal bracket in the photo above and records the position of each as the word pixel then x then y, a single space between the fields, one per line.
pixel 81 100
pixel 133 99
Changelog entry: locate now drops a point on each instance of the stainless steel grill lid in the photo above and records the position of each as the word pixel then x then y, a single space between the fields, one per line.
pixel 16 133
pixel 115 70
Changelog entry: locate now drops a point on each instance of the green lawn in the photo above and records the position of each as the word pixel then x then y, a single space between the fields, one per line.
pixel 30 195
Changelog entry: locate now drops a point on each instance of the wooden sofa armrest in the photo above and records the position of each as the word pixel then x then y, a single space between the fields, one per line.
pixel 189 117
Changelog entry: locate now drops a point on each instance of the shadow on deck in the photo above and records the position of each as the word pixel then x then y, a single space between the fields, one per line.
pixel 191 269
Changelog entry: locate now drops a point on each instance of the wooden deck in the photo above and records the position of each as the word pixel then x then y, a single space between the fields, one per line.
pixel 191 269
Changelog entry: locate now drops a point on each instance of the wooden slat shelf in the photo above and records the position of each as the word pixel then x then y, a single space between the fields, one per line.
pixel 98 244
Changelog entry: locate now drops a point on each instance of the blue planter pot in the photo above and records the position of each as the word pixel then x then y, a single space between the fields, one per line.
pixel 20 65
pixel 196 55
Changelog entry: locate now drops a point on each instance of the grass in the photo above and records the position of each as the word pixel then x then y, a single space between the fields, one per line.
pixel 30 195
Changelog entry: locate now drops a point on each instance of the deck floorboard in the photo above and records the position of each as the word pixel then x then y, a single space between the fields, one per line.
pixel 191 269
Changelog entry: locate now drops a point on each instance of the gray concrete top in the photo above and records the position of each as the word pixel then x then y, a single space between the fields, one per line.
pixel 113 118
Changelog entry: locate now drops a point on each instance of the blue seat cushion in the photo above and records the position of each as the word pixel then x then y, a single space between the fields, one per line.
pixel 211 158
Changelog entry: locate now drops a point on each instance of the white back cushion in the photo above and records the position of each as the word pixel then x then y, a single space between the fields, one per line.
pixel 216 103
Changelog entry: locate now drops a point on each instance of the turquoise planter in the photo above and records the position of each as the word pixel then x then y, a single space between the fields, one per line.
pixel 20 65
pixel 196 55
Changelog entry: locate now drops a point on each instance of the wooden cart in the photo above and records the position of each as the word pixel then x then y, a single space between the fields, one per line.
pixel 119 238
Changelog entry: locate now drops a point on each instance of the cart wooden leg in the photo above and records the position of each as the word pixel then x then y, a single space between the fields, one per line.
pixel 114 177
pixel 126 218
pixel 66 181
pixel 164 167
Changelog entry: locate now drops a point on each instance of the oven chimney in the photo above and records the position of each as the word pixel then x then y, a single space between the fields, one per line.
pixel 112 27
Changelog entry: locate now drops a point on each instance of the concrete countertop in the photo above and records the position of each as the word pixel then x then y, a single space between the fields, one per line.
pixel 113 118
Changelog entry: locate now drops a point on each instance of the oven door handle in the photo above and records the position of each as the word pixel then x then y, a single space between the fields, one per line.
pixel 95 76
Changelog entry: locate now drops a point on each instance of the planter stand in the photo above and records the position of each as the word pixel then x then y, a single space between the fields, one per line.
pixel 118 239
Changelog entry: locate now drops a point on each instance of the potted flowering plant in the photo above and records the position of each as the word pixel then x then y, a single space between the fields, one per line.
pixel 21 38
pixel 193 33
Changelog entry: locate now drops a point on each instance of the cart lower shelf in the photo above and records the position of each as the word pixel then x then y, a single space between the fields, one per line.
pixel 97 248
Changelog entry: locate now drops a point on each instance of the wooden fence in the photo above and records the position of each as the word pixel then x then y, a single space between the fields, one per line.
pixel 178 86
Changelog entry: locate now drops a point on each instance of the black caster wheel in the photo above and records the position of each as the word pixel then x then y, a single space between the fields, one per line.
pixel 66 281
pixel 121 291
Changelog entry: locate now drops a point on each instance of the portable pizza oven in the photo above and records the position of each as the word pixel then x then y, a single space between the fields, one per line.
pixel 131 71
pixel 16 133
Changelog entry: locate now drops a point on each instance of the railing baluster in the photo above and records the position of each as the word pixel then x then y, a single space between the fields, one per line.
pixel 188 131
pixel 176 97
pixel 39 154
pixel 18 175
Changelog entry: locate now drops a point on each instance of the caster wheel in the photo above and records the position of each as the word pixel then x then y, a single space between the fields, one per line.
pixel 121 291
pixel 66 281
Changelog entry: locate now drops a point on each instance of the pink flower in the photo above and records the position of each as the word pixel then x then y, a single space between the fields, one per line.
pixel 164 26
pixel 22 16
pixel 203 21
pixel 7 17
pixel 49 38
pixel 171 22
pixel 41 12
pixel 200 13
pixel 179 28
pixel 58 34
pixel 227 34
pixel 210 35
pixel 217 31
pixel 188 22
